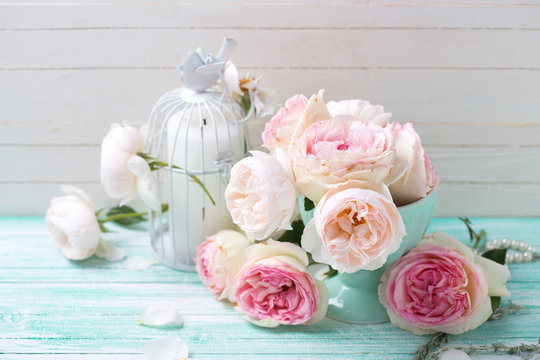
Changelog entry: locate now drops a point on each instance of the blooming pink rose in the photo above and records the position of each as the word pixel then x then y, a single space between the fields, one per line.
pixel 340 149
pixel 420 178
pixel 279 130
pixel 441 286
pixel 274 287
pixel 355 227
pixel 361 110
pixel 260 196
pixel 218 260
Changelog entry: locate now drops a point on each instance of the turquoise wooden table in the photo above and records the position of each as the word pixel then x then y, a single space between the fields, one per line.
pixel 51 308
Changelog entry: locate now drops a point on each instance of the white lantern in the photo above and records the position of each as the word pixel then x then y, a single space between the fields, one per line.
pixel 199 134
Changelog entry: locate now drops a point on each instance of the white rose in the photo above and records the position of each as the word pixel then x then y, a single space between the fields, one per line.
pixel 73 224
pixel 420 178
pixel 260 196
pixel 361 110
pixel 124 174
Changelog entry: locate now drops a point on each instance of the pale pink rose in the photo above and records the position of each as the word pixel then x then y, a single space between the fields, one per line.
pixel 355 227
pixel 279 130
pixel 260 196
pixel 124 174
pixel 73 224
pixel 218 259
pixel 340 149
pixel 441 286
pixel 361 110
pixel 274 286
pixel 420 178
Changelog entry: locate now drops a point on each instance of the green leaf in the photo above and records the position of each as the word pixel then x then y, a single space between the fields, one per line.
pixel 127 220
pixel 497 255
pixel 308 204
pixel 495 302
pixel 295 235
pixel 330 274
pixel 164 208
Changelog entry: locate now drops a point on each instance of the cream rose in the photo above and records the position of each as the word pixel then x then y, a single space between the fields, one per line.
pixel 218 259
pixel 420 178
pixel 124 174
pixel 361 110
pixel 355 227
pixel 73 224
pixel 334 151
pixel 441 286
pixel 260 196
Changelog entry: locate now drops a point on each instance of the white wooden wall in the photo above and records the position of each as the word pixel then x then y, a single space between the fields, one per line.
pixel 467 73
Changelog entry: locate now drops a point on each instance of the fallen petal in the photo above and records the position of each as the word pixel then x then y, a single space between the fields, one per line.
pixel 168 348
pixel 160 315
pixel 139 263
pixel 108 251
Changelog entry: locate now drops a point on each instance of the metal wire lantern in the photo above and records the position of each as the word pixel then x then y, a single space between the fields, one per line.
pixel 200 134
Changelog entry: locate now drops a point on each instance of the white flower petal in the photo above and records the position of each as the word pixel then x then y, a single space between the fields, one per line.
pixel 496 276
pixel 72 190
pixel 139 263
pixel 318 270
pixel 167 348
pixel 454 355
pixel 160 315
pixel 108 251
pixel 271 248
pixel 323 304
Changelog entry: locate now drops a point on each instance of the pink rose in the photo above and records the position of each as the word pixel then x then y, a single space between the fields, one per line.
pixel 355 227
pixel 218 259
pixel 274 287
pixel 420 178
pixel 260 196
pixel 279 130
pixel 441 286
pixel 340 149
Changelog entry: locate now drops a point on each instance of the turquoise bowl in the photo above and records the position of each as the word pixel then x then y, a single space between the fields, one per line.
pixel 353 297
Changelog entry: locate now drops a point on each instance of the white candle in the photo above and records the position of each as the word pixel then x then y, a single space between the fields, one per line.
pixel 200 132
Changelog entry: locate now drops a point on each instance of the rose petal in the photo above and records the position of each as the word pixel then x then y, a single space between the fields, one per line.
pixel 168 348
pixel 267 323
pixel 160 315
pixel 108 251
pixel 139 263
pixel 496 276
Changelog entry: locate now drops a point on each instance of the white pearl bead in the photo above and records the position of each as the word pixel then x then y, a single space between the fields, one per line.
pixel 523 246
pixel 489 245
pixel 514 244
pixel 518 257
pixel 505 243
pixel 496 243
pixel 527 256
pixel 509 257
pixel 531 249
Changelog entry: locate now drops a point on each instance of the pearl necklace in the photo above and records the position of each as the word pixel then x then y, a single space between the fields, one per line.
pixel 527 254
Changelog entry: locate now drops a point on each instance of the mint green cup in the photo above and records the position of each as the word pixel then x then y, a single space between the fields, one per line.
pixel 353 296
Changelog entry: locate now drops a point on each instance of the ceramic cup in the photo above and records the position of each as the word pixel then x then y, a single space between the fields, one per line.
pixel 353 297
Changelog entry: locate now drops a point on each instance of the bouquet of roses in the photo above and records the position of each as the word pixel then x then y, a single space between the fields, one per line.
pixel 355 167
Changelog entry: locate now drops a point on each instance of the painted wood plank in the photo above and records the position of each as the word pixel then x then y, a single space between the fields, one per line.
pixel 448 96
pixel 327 48
pixel 455 199
pixel 58 15
pixel 453 164
pixel 432 133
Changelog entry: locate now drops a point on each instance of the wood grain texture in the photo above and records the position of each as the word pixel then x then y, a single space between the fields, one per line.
pixel 466 72
pixel 52 308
